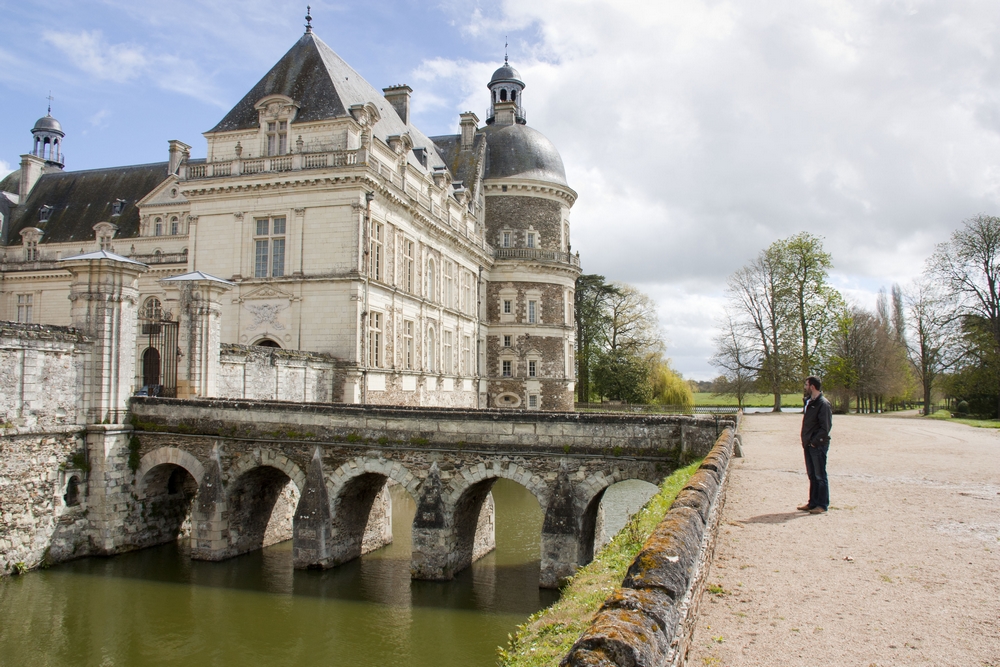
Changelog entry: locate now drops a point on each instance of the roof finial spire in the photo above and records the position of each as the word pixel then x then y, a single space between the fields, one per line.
pixel 505 49
pixel 309 18
pixel 50 98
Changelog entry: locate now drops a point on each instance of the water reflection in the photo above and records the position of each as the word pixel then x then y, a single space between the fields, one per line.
pixel 157 607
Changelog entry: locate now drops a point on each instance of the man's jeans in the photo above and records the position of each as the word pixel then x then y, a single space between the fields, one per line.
pixel 819 488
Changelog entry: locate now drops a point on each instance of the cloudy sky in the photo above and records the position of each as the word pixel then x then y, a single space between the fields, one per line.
pixel 696 133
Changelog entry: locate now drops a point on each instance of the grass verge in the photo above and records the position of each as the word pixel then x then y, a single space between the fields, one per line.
pixel 706 398
pixel 549 634
pixel 978 423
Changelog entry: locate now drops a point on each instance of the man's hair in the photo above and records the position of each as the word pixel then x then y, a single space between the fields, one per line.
pixel 816 382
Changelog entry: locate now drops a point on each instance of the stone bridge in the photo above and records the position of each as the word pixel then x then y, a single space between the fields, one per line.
pixel 238 475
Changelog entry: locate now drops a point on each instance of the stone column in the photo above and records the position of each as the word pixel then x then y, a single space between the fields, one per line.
pixel 199 299
pixel 560 534
pixel 104 292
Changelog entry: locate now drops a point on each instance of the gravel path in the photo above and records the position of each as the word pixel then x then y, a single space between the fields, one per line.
pixel 903 570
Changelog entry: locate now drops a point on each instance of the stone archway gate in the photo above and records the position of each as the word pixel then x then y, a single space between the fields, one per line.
pixel 340 457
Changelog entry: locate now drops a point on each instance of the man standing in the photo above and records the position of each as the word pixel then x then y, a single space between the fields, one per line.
pixel 817 419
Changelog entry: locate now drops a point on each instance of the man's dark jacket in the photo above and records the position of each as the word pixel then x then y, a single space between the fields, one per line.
pixel 817 420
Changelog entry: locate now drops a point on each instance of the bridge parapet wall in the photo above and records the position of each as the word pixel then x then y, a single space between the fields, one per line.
pixel 674 438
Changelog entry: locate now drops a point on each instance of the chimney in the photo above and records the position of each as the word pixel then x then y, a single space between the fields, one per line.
pixel 178 151
pixel 399 97
pixel 469 122
pixel 31 171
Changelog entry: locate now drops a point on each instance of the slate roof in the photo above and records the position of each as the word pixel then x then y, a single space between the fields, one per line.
pixel 81 199
pixel 461 164
pixel 324 86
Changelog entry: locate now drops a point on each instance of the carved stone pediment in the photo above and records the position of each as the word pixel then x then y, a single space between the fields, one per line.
pixel 267 292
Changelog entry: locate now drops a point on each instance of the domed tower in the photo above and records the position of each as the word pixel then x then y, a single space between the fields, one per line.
pixel 48 136
pixel 505 96
pixel 530 323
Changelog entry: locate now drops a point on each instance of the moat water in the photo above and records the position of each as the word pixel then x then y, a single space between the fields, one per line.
pixel 158 607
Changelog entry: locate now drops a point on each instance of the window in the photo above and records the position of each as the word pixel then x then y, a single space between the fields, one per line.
pixel 104 240
pixel 532 368
pixel 408 265
pixel 158 227
pixel 44 213
pixel 31 251
pixel 448 285
pixel 430 349
pixel 446 352
pixel 506 340
pixel 375 252
pixel 467 305
pixel 532 401
pixel 508 306
pixel 277 137
pixel 506 366
pixel 408 344
pixel 532 312
pixel 375 339
pixel 531 239
pixel 506 240
pixel 25 308
pixel 117 206
pixel 430 280
pixel 269 248
pixel 175 226
pixel 466 355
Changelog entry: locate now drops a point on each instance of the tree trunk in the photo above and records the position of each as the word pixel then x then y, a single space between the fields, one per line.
pixel 927 398
pixel 777 401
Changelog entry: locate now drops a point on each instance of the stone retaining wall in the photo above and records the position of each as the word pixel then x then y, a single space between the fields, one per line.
pixel 268 374
pixel 649 621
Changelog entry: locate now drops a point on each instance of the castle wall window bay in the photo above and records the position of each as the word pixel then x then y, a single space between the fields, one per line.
pixel 339 227
pixel 269 248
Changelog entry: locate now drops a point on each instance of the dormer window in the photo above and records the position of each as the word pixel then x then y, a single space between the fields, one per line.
pixel 30 238
pixel 31 251
pixel 44 213
pixel 105 231
pixel 117 206
pixel 277 137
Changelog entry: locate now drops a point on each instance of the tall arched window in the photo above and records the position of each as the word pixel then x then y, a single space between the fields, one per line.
pixel 158 227
pixel 152 309
pixel 431 356
pixel 175 226
pixel 430 280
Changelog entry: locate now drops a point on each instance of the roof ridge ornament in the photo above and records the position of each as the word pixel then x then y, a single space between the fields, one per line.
pixel 309 19
pixel 505 45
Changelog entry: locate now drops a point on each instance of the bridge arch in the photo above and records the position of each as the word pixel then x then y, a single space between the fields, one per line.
pixel 268 458
pixel 472 475
pixel 360 505
pixel 164 456
pixel 589 494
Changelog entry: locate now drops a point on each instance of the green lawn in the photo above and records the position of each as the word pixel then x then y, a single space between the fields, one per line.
pixel 549 634
pixel 978 423
pixel 750 400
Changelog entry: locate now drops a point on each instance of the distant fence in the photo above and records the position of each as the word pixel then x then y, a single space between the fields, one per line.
pixel 637 408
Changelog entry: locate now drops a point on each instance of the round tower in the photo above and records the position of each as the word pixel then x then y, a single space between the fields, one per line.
pixel 531 286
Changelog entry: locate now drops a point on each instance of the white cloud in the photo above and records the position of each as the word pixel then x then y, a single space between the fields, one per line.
pixel 697 133
pixel 5 168
pixel 121 63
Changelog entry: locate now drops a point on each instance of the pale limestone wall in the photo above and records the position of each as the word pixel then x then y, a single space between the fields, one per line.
pixel 262 373
pixel 42 375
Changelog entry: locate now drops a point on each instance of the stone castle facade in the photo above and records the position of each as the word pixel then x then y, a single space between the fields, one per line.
pixel 389 267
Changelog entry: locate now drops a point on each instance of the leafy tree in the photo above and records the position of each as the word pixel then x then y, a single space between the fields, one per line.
pixel 622 375
pixel 968 265
pixel 814 303
pixel 667 386
pixel 590 312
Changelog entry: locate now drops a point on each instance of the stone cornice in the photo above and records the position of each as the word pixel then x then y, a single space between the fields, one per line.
pixel 528 188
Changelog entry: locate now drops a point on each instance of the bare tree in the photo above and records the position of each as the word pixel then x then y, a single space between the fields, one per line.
pixel 759 300
pixel 968 264
pixel 735 356
pixel 932 346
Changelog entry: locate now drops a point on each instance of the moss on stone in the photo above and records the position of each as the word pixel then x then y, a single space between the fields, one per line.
pixel 549 634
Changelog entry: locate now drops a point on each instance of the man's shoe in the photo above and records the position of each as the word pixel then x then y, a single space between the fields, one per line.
pixel 804 508
pixel 817 510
